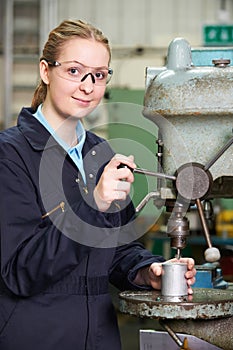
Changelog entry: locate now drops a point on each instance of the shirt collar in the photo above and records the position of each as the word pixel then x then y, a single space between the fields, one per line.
pixel 81 133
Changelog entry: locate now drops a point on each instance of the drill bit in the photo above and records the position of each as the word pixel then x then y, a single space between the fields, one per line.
pixel 178 253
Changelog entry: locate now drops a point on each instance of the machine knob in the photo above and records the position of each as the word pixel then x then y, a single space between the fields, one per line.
pixel 212 254
pixel 193 181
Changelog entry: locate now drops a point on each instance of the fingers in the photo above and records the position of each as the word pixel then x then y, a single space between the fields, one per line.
pixel 189 261
pixel 123 173
pixel 122 159
pixel 113 176
pixel 122 189
pixel 155 272
pixel 111 186
pixel 190 291
pixel 190 273
pixel 190 276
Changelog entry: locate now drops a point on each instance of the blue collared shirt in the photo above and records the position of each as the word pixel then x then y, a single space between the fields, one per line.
pixel 75 152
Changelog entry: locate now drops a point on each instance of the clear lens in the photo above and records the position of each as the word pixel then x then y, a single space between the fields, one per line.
pixel 75 71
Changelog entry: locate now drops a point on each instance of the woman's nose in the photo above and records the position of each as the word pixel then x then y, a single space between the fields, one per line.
pixel 87 82
pixel 86 75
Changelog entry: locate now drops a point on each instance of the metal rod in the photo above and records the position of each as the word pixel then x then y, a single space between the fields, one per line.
pixel 171 333
pixel 145 200
pixel 152 173
pixel 203 222
pixel 219 154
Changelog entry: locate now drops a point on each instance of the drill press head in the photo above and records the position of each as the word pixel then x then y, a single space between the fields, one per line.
pixel 192 107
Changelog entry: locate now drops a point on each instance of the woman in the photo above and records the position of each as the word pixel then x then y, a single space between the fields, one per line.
pixel 65 211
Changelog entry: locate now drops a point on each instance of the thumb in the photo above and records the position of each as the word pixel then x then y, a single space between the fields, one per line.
pixel 131 157
pixel 156 269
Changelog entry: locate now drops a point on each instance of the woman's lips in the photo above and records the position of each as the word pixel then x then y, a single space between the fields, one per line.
pixel 82 101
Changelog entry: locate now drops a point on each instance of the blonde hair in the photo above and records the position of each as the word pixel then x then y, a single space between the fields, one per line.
pixel 67 30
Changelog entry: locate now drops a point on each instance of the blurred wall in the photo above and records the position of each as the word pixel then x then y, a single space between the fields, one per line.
pixel 139 32
pixel 147 22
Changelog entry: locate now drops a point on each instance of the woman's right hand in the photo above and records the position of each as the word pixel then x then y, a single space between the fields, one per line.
pixel 115 182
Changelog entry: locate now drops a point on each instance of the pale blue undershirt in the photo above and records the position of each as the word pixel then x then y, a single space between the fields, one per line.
pixel 75 152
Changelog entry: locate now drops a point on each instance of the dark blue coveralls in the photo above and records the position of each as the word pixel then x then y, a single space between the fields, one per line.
pixel 58 252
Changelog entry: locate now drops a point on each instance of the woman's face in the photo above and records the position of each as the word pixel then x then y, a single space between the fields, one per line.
pixel 66 98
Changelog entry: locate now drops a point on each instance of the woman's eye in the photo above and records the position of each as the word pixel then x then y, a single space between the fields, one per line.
pixel 100 75
pixel 73 71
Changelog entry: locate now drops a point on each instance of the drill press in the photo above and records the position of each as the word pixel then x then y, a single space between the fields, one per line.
pixel 192 107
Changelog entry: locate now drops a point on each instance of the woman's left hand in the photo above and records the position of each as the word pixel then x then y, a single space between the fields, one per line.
pixel 151 275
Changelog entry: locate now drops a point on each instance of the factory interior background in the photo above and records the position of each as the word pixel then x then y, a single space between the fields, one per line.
pixel 140 32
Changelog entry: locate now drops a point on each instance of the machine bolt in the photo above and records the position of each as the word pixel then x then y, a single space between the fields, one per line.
pixel 221 63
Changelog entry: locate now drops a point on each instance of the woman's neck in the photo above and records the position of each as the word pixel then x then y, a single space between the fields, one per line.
pixel 64 127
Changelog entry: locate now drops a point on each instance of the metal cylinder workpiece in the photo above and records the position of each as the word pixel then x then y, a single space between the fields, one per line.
pixel 173 281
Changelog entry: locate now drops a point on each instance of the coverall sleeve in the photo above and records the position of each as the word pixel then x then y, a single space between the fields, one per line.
pixel 131 257
pixel 34 251
pixel 128 260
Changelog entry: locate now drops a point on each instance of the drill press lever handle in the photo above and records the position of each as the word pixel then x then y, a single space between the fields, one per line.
pixel 212 254
pixel 219 154
pixel 148 172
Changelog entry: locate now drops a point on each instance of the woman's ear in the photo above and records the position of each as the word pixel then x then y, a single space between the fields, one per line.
pixel 44 71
